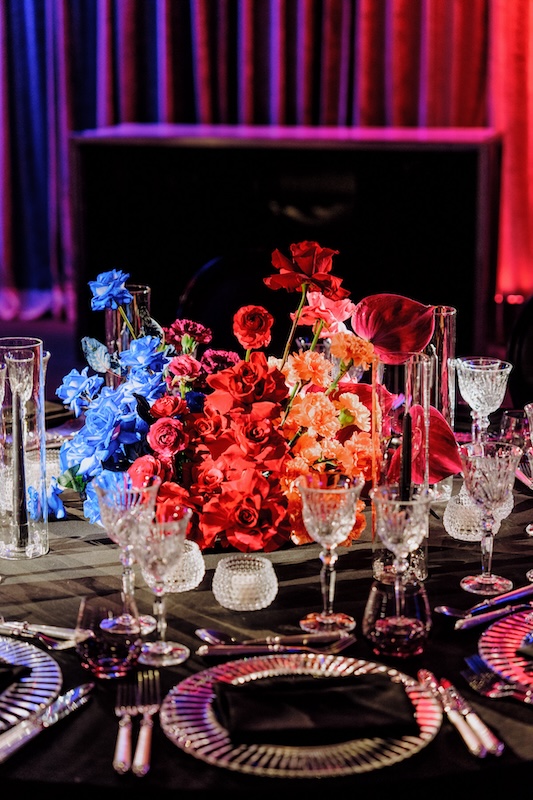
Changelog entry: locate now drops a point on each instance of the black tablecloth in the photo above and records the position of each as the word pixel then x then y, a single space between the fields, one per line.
pixel 78 751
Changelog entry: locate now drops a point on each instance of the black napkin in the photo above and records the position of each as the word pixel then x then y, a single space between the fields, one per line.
pixel 303 710
pixel 525 650
pixel 10 673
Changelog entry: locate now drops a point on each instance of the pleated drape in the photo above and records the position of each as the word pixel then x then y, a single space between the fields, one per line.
pixel 67 66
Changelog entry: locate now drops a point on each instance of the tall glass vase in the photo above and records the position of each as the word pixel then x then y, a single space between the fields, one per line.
pixel 441 350
pixel 124 324
pixel 23 489
pixel 401 400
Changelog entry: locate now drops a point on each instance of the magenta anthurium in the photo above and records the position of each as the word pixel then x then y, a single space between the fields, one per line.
pixel 394 324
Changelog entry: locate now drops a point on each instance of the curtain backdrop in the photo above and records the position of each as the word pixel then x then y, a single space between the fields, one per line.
pixel 68 65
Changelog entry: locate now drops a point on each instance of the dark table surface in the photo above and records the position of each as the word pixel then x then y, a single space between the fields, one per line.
pixel 78 751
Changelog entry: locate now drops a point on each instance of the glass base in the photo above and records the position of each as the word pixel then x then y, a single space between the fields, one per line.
pixel 163 654
pixel 125 623
pixel 529 575
pixel 529 529
pixel 399 637
pixel 486 584
pixel 322 623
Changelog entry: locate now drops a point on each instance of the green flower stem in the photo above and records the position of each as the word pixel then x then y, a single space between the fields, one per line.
pixel 126 320
pixel 343 369
pixel 294 325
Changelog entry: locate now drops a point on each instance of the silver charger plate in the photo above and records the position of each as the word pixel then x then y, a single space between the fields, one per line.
pixel 30 694
pixel 188 719
pixel 498 644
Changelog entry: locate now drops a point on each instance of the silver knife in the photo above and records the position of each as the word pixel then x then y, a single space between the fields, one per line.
pixel 246 649
pixel 489 616
pixel 503 599
pixel 298 639
pixel 469 736
pixel 65 704
pixel 49 630
pixel 490 742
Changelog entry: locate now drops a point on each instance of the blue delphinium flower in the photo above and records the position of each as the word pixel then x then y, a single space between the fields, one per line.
pixel 109 290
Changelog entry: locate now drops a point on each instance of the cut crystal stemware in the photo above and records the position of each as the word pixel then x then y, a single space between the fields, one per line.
pixel 482 383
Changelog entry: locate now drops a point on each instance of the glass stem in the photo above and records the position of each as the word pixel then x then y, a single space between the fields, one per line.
pixel 329 557
pixel 398 589
pixel 128 575
pixel 160 614
pixel 480 425
pixel 487 545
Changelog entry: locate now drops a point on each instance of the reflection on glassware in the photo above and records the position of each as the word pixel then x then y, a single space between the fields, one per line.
pixel 489 473
pixel 124 324
pixel 401 641
pixel 159 546
pixel 401 525
pixel 329 505
pixel 245 582
pixel 122 508
pixel 23 487
pixel 514 427
pixel 102 649
pixel 482 383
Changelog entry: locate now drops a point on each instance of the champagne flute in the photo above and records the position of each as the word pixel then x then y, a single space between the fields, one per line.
pixel 159 546
pixel 482 383
pixel 123 507
pixel 329 506
pixel 489 473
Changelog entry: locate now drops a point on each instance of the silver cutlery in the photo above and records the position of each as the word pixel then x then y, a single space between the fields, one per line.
pixel 125 709
pixel 469 736
pixel 18 735
pixel 490 742
pixel 260 649
pixel 490 616
pixel 215 637
pixel 49 642
pixel 485 682
pixel 149 702
pixel 487 605
pixel 55 631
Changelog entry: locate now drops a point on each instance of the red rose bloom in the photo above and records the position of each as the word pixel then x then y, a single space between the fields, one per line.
pixel 170 501
pixel 247 382
pixel 252 326
pixel 168 406
pixel 167 437
pixel 310 265
pixel 144 468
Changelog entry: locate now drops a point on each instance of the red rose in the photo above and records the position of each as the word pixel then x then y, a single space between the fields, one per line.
pixel 168 406
pixel 167 437
pixel 310 265
pixel 247 382
pixel 171 499
pixel 252 326
pixel 144 468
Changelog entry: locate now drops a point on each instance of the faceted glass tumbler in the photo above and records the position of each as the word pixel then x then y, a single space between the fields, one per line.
pixel 244 582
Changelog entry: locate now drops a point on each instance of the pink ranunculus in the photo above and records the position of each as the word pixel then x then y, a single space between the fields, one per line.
pixel 167 437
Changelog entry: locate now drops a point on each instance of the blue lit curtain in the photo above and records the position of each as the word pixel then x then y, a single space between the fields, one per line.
pixel 67 65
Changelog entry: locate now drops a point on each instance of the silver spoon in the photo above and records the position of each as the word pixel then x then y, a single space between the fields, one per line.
pixel 486 605
pixel 214 637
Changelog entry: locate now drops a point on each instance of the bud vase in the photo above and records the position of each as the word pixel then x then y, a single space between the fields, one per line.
pixel 23 489
pixel 124 324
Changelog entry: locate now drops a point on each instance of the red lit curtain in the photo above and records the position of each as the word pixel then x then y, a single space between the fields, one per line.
pixel 67 66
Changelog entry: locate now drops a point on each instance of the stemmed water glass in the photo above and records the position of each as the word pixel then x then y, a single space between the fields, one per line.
pixel 123 507
pixel 489 473
pixel 482 383
pixel 159 546
pixel 401 525
pixel 329 506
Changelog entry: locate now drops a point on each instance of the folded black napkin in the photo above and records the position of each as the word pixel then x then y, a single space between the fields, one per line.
pixel 303 710
pixel 10 673
pixel 525 650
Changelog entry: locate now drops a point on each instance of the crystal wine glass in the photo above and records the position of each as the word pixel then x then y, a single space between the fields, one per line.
pixel 489 473
pixel 401 526
pixel 329 505
pixel 482 383
pixel 122 508
pixel 159 547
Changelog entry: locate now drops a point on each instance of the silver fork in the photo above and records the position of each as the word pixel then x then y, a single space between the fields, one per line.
pixel 125 709
pixel 484 681
pixel 148 705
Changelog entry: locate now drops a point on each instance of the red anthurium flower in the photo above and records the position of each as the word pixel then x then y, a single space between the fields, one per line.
pixel 310 265
pixel 443 453
pixel 394 324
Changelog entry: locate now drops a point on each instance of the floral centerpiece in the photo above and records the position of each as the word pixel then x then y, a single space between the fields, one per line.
pixel 230 432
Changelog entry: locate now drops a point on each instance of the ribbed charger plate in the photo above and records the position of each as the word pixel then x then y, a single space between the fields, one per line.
pixel 32 693
pixel 498 644
pixel 188 719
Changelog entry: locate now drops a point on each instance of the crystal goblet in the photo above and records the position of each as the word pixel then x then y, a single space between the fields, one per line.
pixel 158 548
pixel 489 473
pixel 329 506
pixel 123 507
pixel 401 525
pixel 482 383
